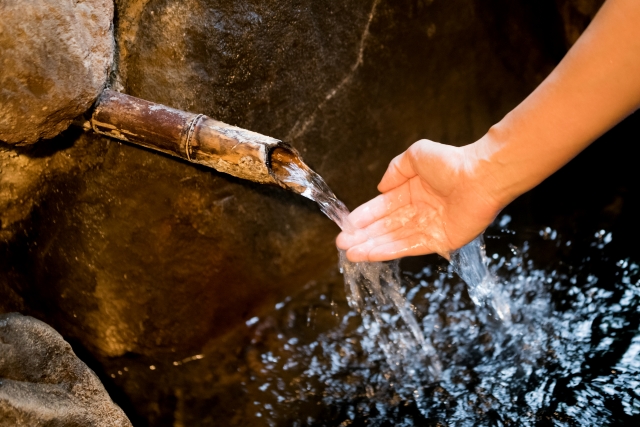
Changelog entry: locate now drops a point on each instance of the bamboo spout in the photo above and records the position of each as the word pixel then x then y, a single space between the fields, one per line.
pixel 193 137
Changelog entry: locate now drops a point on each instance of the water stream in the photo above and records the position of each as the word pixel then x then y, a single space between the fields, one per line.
pixel 374 289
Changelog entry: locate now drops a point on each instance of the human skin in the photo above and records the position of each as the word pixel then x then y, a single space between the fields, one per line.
pixel 437 198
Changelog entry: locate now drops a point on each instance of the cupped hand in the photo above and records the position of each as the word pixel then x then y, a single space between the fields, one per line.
pixel 433 201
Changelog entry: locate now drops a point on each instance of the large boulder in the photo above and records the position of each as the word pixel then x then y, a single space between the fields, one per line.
pixel 43 383
pixel 54 59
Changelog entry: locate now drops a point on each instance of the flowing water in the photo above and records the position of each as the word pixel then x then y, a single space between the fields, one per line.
pixel 373 288
pixel 522 342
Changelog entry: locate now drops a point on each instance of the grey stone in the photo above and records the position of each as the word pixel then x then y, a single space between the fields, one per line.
pixel 54 59
pixel 43 383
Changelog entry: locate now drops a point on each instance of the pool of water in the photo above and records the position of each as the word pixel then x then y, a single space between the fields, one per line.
pixel 569 354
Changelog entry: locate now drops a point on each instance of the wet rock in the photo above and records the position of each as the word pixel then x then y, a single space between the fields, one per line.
pixel 167 258
pixel 54 60
pixel 42 382
pixel 27 176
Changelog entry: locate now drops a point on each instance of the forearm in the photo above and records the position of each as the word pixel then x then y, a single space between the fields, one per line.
pixel 594 87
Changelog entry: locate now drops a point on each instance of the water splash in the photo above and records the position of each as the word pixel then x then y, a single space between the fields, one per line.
pixel 570 355
pixel 471 264
pixel 374 289
pixel 505 357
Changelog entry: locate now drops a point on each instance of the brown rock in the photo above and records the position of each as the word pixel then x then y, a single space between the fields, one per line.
pixel 54 60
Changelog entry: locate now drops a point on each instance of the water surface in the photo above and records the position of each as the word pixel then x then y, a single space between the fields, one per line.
pixel 545 331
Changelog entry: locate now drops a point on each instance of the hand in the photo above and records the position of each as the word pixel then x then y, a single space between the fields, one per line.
pixel 437 198
pixel 433 200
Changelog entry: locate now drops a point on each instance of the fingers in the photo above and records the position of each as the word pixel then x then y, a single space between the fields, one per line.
pixel 409 230
pixel 399 171
pixel 388 248
pixel 380 206
pixel 401 233
pixel 379 216
pixel 384 226
pixel 347 240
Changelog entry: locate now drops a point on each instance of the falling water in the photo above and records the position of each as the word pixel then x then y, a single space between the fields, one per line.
pixel 569 357
pixel 373 288
pixel 471 264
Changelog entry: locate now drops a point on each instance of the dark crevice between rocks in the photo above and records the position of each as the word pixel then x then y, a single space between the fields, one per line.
pixel 116 393
pixel 46 147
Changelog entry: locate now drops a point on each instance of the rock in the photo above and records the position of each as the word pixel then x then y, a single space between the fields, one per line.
pixel 347 83
pixel 54 59
pixel 42 382
pixel 112 250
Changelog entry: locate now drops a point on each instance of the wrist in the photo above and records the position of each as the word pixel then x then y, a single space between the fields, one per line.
pixel 495 177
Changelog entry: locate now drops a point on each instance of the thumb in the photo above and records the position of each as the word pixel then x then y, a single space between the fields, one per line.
pixel 400 170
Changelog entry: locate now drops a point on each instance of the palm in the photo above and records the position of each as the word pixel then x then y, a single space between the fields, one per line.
pixel 428 205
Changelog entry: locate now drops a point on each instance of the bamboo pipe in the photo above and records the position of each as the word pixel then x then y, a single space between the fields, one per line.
pixel 193 137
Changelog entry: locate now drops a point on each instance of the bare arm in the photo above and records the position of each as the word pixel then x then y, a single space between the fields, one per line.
pixel 436 198
pixel 595 86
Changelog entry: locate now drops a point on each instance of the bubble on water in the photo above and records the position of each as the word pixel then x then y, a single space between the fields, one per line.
pixel 252 321
pixel 504 220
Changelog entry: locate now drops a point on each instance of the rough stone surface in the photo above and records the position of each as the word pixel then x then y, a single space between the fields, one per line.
pixel 54 59
pixel 138 258
pixel 166 258
pixel 43 383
